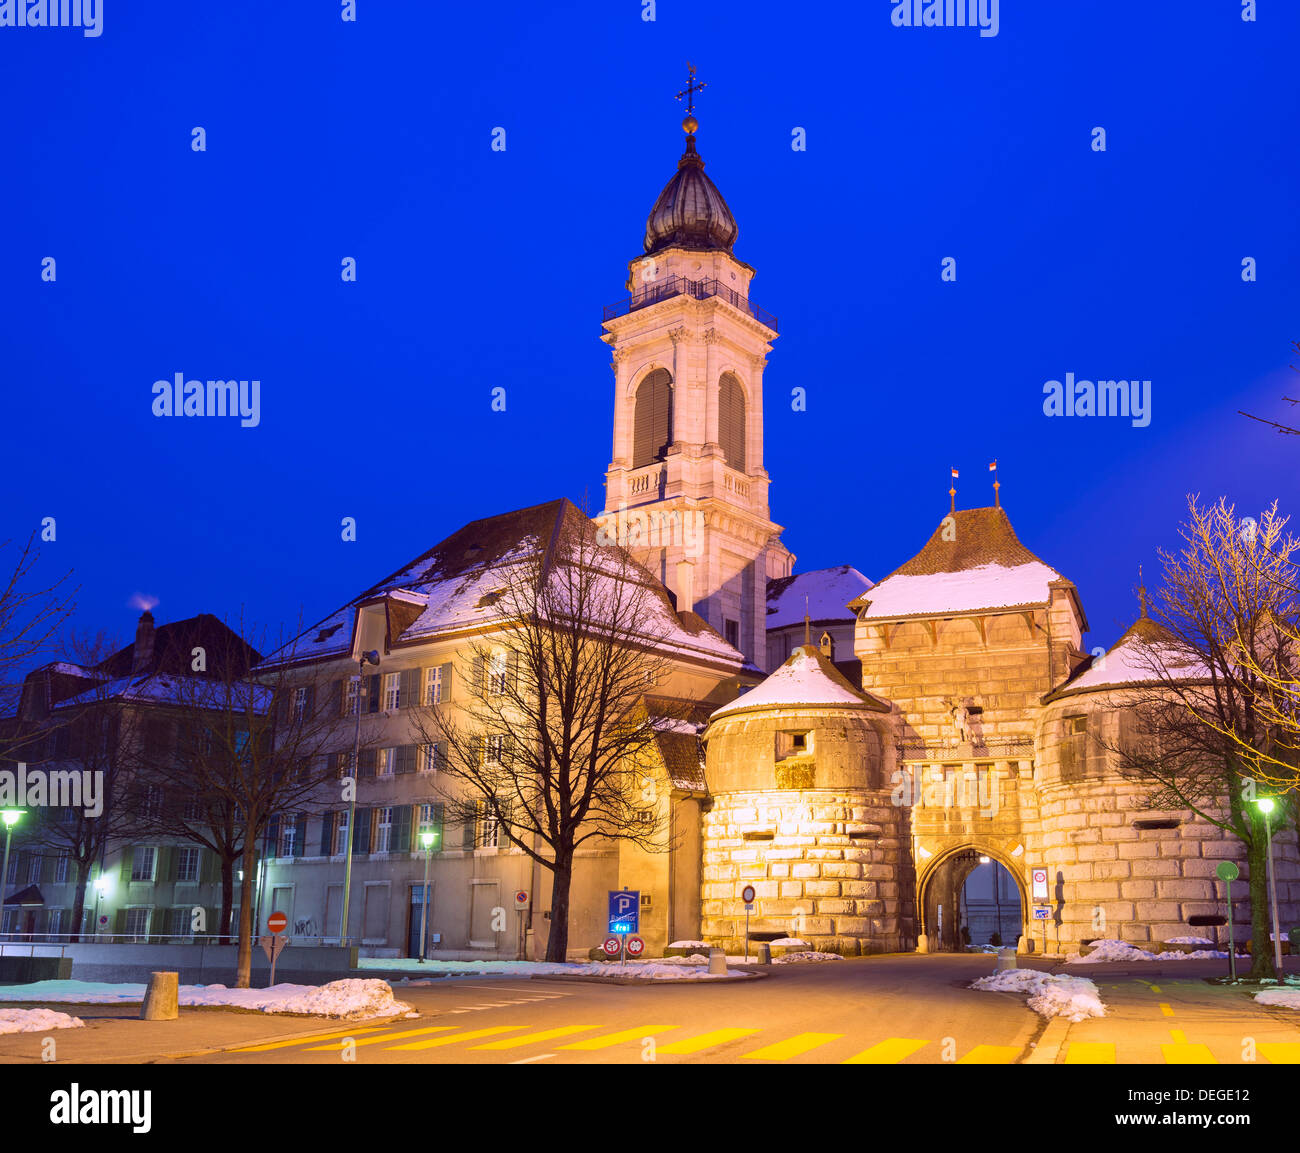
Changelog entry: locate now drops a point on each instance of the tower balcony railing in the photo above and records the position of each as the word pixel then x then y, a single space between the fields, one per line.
pixel 680 286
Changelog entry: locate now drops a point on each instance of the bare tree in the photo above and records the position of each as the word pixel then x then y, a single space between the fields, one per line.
pixel 1284 429
pixel 1198 737
pixel 254 746
pixel 553 748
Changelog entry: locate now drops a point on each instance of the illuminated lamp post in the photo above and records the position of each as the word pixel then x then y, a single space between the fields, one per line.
pixel 1265 806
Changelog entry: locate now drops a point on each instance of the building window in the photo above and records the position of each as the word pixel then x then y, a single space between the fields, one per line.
pixel 489 826
pixel 12 878
pixel 192 809
pixel 137 924
pixel 340 832
pixel 299 703
pixel 288 835
pixel 497 669
pixel 428 759
pixel 392 690
pixel 431 821
pixel 384 762
pixel 731 421
pixel 61 869
pixel 54 922
pixel 732 632
pixel 353 700
pixel 187 864
pixel 433 685
pixel 493 747
pixel 143 861
pixel 180 922
pixel 383 831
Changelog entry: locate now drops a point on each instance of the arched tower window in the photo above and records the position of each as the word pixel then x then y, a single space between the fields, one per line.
pixel 731 421
pixel 652 425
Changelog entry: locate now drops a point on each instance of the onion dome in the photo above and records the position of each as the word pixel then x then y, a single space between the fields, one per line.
pixel 690 211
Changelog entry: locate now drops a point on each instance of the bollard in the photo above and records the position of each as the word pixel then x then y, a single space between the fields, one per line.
pixel 717 961
pixel 1006 959
pixel 161 998
pixel 764 953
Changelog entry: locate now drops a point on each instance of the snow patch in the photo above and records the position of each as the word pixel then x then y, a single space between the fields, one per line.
pixel 805 955
pixel 1074 998
pixel 1287 998
pixel 36 1021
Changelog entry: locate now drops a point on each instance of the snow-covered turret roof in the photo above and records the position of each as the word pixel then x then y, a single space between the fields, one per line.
pixel 828 591
pixel 807 679
pixel 1145 654
pixel 973 561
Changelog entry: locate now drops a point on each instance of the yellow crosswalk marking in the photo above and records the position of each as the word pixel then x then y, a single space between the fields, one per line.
pixel 784 1050
pixel 376 1040
pixel 470 1035
pixel 889 1052
pixel 706 1040
pixel 1181 1053
pixel 1167 1010
pixel 1280 1052
pixel 306 1039
pixel 529 1038
pixel 1090 1053
pixel 623 1035
pixel 990 1055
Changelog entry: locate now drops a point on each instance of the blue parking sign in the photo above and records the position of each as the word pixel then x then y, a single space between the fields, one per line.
pixel 624 911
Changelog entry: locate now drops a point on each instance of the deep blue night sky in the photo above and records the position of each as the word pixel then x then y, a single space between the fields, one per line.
pixel 480 269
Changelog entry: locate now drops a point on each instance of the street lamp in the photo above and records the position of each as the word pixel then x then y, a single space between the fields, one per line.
pixel 371 657
pixel 426 839
pixel 10 818
pixel 1265 806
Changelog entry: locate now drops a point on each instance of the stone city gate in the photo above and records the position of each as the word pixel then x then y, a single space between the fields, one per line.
pixel 939 890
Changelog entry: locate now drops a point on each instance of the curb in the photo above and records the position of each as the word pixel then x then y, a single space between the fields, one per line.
pixel 1048 1049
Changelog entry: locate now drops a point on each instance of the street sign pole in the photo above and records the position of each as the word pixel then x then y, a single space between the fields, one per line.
pixel 1227 872
pixel 747 895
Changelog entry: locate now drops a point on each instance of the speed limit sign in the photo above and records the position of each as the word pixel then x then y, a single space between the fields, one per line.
pixel 635 946
pixel 612 946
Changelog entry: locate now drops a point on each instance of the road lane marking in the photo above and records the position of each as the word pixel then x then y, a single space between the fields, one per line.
pixel 784 1050
pixel 706 1040
pixel 1166 1009
pixel 889 1052
pixel 1090 1053
pixel 1156 989
pixel 470 1035
pixel 612 1039
pixel 1280 1052
pixel 531 1038
pixel 306 1039
pixel 382 1037
pixel 1181 1053
pixel 990 1055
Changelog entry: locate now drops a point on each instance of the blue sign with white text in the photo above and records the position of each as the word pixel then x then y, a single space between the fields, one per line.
pixel 624 910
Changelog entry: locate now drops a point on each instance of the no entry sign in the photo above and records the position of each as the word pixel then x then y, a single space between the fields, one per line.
pixel 277 922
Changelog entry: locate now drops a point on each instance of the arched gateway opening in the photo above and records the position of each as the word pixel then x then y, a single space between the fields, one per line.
pixel 970 897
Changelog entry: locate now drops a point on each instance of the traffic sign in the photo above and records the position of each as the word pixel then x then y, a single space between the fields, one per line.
pixel 612 946
pixel 747 894
pixel 624 911
pixel 1042 913
pixel 103 918
pixel 635 946
pixel 521 899
pixel 277 922
pixel 1039 885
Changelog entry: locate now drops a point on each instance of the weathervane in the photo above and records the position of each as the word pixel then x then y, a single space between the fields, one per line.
pixel 688 94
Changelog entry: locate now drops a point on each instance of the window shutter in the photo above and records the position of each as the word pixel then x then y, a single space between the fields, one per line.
pixel 504 810
pixel 470 828
pixel 652 421
pixel 731 421
pixel 300 836
pixel 374 688
pixel 439 819
pixel 128 852
pixel 340 696
pixel 406 758
pixel 440 755
pixel 366 763
pixel 174 872
pixel 273 836
pixel 507 749
pixel 161 864
pixel 309 703
pixel 209 868
pixel 402 829
pixel 326 834
pixel 361 837
pixel 478 674
pixel 119 923
pixel 446 681
pixel 409 692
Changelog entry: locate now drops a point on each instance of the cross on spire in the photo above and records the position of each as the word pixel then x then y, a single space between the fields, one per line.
pixel 688 93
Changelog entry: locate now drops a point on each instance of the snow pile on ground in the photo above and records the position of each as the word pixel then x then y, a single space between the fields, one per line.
pixel 689 945
pixel 349 1000
pixel 805 955
pixel 788 942
pixel 1189 941
pixel 1074 998
pixel 1110 949
pixel 1287 998
pixel 36 1021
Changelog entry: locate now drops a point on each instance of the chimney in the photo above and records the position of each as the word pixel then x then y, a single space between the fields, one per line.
pixel 142 652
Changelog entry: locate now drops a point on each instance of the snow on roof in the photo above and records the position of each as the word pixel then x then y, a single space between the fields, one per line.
pixel 828 592
pixel 1145 654
pixel 807 678
pixel 453 582
pixel 988 586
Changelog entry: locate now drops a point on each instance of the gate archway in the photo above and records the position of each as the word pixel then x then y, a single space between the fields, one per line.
pixel 971 892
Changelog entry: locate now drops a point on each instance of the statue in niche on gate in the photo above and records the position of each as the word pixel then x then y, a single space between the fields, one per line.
pixel 960 721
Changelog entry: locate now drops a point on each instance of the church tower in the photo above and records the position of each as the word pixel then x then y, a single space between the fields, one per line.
pixel 686 491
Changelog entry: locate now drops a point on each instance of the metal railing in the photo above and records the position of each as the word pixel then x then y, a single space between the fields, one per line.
pixel 680 286
pixel 124 938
